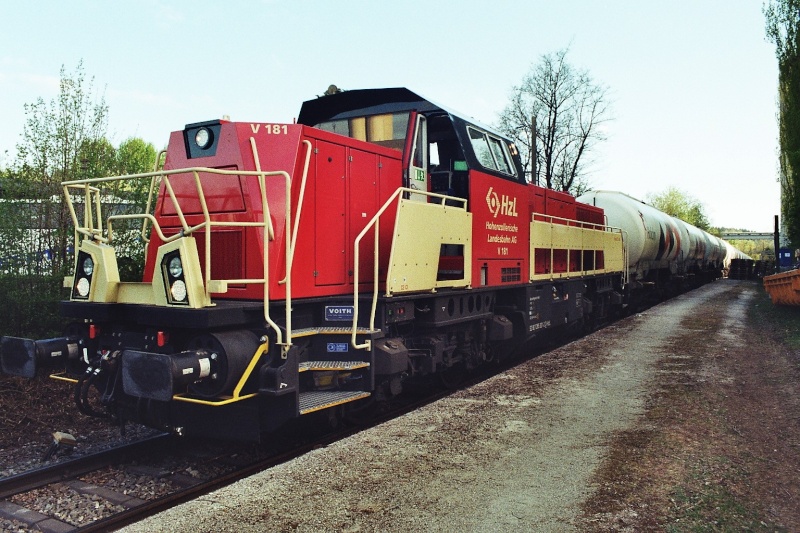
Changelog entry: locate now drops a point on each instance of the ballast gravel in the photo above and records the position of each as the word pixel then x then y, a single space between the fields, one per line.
pixel 514 453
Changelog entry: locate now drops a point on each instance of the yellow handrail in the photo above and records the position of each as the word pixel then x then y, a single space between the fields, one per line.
pixel 374 223
pixel 92 227
pixel 550 221
pixel 299 205
pixel 237 391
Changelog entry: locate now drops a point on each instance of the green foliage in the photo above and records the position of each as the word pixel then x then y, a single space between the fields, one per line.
pixel 680 204
pixel 134 156
pixel 783 29
pixel 59 140
pixel 30 306
pixel 63 139
pixel 757 249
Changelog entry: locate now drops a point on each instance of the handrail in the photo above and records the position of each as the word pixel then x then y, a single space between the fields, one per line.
pixel 375 221
pixel 92 227
pixel 300 199
pixel 582 225
pixel 268 234
pixel 150 194
pixel 87 215
pixel 571 222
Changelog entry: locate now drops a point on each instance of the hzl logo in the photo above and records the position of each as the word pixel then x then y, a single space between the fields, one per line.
pixel 501 204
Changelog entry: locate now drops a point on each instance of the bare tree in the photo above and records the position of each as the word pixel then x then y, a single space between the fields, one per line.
pixel 554 117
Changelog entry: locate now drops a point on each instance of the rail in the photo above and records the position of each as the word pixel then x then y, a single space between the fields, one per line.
pixel 374 224
pixel 92 225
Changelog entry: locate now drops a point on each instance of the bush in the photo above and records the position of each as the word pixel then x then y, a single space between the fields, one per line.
pixel 30 306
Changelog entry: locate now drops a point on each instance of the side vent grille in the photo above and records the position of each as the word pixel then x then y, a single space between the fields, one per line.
pixel 510 274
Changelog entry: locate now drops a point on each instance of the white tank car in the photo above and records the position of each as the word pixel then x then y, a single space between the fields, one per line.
pixel 656 240
pixel 732 253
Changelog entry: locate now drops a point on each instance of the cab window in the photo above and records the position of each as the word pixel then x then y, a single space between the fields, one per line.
pixel 491 152
pixel 387 129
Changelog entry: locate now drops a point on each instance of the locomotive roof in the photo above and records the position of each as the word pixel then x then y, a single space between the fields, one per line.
pixel 360 102
pixel 365 102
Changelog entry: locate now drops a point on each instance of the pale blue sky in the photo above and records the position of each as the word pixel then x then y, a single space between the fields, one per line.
pixel 693 81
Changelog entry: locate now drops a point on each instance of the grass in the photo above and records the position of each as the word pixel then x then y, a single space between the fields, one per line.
pixel 782 320
pixel 700 464
pixel 702 505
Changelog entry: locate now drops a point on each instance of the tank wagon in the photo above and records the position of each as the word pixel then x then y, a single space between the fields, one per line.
pixel 317 266
pixel 663 252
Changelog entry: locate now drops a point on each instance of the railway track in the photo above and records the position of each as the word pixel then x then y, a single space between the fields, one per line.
pixel 66 475
pixel 190 470
pixel 148 459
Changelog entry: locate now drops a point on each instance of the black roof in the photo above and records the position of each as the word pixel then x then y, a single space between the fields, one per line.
pixel 361 102
pixel 365 102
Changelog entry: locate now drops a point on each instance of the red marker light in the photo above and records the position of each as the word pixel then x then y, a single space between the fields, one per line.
pixel 162 338
pixel 94 331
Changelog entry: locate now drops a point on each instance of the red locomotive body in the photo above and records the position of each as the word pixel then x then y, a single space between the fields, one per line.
pixel 313 267
pixel 337 185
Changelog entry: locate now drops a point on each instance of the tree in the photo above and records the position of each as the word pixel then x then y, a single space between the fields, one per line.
pixel 56 137
pixel 555 117
pixel 758 250
pixel 62 140
pixel 134 156
pixel 679 204
pixel 783 29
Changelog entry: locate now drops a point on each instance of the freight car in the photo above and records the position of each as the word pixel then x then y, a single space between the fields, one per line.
pixel 318 266
pixel 664 252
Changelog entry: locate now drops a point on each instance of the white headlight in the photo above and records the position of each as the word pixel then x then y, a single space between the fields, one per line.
pixel 88 266
pixel 175 267
pixel 202 138
pixel 178 291
pixel 83 287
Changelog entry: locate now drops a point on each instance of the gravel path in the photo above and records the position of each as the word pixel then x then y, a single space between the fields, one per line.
pixel 515 453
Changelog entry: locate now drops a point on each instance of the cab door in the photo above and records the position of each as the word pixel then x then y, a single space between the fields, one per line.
pixel 418 160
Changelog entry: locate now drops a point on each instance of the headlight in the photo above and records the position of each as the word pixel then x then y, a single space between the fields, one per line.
pixel 174 279
pixel 203 138
pixel 175 267
pixel 178 291
pixel 88 266
pixel 84 270
pixel 83 287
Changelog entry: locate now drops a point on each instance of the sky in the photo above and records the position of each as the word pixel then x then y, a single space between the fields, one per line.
pixel 693 82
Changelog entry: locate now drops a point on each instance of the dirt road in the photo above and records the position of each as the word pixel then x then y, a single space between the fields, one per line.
pixel 682 417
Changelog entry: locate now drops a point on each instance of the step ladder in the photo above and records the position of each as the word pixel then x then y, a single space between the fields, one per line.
pixel 327 395
pixel 312 401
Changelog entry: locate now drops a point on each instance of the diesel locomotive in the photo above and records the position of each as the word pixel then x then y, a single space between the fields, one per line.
pixel 317 266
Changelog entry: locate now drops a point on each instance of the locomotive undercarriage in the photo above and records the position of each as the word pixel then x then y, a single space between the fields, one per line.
pixel 201 377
